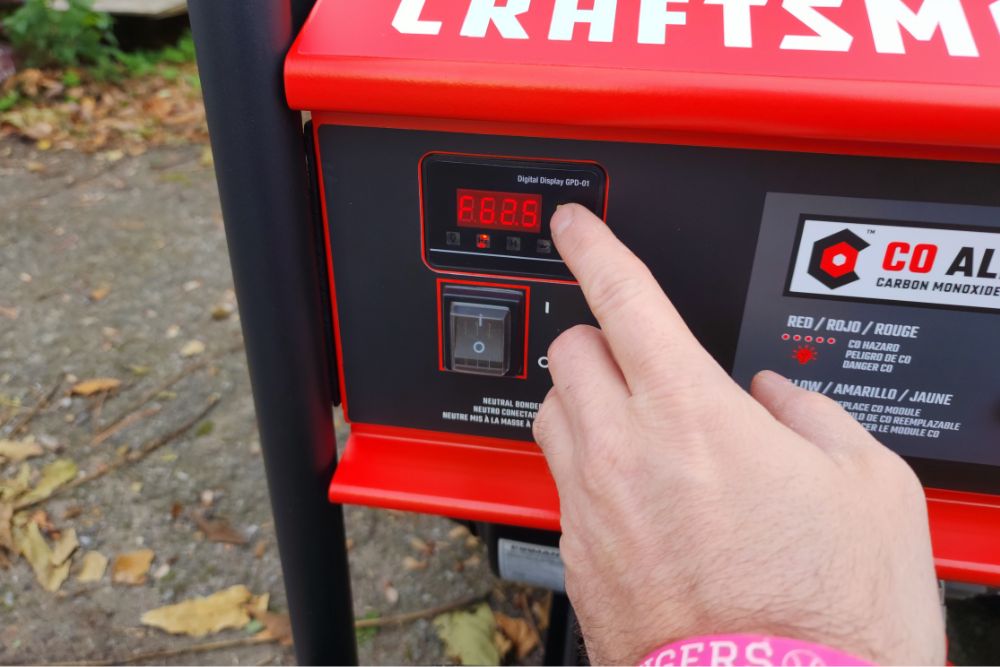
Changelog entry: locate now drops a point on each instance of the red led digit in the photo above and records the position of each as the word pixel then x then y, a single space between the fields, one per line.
pixel 508 212
pixel 529 214
pixel 487 209
pixel 466 203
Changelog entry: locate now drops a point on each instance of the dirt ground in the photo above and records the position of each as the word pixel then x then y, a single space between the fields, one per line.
pixel 119 269
pixel 112 269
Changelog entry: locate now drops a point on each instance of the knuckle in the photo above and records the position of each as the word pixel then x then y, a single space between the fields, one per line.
pixel 612 288
pixel 541 428
pixel 593 476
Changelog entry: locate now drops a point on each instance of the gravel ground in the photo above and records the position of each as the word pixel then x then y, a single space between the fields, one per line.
pixel 111 269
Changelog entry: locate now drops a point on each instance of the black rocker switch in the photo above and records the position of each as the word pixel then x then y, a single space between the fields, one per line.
pixel 480 338
pixel 484 330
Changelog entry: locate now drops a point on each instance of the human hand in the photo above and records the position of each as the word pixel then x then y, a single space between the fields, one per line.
pixel 690 507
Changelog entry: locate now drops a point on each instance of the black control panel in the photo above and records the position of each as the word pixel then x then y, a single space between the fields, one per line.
pixel 440 334
pixel 491 215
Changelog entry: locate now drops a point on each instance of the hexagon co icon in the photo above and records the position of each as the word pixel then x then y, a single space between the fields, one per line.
pixel 835 257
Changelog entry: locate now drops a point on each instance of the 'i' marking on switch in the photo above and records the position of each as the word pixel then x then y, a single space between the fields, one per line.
pixel 546 307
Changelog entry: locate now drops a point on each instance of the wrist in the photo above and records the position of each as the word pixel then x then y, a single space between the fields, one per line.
pixel 747 649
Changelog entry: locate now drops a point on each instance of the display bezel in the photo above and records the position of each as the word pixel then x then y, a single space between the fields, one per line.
pixel 510 253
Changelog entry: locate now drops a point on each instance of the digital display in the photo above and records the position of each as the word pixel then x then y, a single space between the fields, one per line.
pixel 502 211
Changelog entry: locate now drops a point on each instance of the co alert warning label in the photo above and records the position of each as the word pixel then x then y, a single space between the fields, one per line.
pixel 891 308
pixel 883 261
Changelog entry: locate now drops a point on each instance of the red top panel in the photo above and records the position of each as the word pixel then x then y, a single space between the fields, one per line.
pixel 921 72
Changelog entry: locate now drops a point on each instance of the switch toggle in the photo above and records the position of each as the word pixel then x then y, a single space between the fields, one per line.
pixel 480 338
pixel 484 330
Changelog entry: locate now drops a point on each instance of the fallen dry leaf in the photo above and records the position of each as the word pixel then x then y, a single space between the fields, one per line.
pixel 218 530
pixel 192 348
pixel 6 537
pixel 94 386
pixel 391 593
pixel 53 476
pixel 422 546
pixel 276 626
pixel 468 635
pixel 458 532
pixel 524 636
pixel 99 293
pixel 17 451
pixel 35 549
pixel 259 549
pixel 131 567
pixel 411 564
pixel 9 313
pixel 72 512
pixel 41 517
pixel 93 567
pixel 222 311
pixel 258 603
pixel 13 488
pixel 204 615
pixel 542 609
pixel 64 548
pixel 503 644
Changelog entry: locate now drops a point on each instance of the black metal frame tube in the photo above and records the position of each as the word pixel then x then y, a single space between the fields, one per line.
pixel 261 169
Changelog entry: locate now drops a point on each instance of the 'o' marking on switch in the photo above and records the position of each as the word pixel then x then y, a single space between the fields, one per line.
pixel 479 347
pixel 546 307
pixel 543 362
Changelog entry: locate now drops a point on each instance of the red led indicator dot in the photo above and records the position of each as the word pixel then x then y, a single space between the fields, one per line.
pixel 820 339
pixel 785 336
pixel 796 337
pixel 482 241
pixel 831 341
pixel 809 339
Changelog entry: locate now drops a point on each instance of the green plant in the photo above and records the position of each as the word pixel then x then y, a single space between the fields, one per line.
pixel 8 101
pixel 44 36
pixel 71 77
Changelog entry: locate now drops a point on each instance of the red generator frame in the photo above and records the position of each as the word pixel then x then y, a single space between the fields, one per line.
pixel 773 83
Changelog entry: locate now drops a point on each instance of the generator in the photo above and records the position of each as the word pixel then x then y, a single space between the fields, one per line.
pixel 814 183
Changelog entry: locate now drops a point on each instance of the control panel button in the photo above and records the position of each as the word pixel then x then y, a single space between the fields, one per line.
pixel 453 238
pixel 483 329
pixel 480 338
pixel 514 243
pixel 482 241
pixel 544 247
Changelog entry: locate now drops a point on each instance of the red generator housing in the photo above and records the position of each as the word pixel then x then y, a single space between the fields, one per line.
pixel 815 185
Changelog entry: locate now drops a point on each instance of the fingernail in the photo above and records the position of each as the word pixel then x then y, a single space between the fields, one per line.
pixel 561 219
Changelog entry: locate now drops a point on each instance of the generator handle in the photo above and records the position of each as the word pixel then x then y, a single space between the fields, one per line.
pixel 260 166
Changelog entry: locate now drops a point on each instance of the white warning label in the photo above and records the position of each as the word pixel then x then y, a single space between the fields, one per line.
pixel 881 261
pixel 535 564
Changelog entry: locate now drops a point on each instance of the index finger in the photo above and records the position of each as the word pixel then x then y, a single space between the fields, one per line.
pixel 646 334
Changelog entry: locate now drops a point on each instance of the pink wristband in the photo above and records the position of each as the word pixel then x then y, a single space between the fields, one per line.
pixel 731 650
